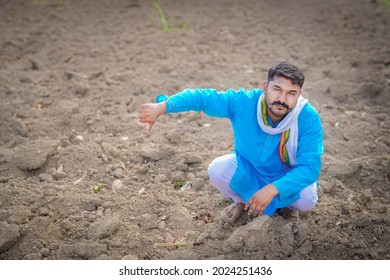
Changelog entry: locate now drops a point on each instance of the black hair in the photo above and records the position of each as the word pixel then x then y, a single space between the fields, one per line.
pixel 288 71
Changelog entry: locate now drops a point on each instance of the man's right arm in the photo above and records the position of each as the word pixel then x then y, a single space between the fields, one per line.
pixel 210 101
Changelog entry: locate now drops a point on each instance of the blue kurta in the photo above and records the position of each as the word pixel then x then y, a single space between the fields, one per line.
pixel 257 154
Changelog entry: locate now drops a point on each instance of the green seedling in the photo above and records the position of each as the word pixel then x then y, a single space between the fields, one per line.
pixel 37 2
pixel 163 18
pixel 385 2
pixel 179 184
pixel 97 187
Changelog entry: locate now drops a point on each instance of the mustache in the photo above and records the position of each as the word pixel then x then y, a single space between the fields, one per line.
pixel 281 104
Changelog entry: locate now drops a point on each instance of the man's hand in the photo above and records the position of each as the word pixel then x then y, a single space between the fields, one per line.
pixel 148 113
pixel 260 200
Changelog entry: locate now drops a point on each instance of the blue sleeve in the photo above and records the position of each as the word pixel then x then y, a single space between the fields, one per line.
pixel 212 102
pixel 309 153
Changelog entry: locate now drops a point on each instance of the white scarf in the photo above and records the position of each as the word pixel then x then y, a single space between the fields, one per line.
pixel 290 121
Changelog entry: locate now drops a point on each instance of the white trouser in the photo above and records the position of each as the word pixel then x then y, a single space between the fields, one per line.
pixel 222 169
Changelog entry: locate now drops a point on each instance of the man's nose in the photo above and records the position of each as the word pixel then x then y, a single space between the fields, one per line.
pixel 282 97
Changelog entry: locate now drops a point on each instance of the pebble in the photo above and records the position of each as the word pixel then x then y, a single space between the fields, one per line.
pixel 104 227
pixel 178 176
pixel 191 176
pixel 116 185
pixel 19 127
pixel 160 178
pixel 45 177
pixel 118 173
pixel 79 88
pixel 26 79
pixel 33 155
pixel 161 225
pixel 90 207
pixel 111 150
pixel 148 222
pixel 156 155
pixel 174 136
pixel 192 159
pixel 59 175
pixel 89 215
pixel 99 213
pixel 363 221
pixel 54 246
pixel 45 252
pixel 345 210
pixel 129 257
pixel 202 174
pixel 9 235
pixel 84 249
pixel 198 183
pixel 203 237
pixel 182 167
pixel 34 65
pixel 3 179
pixel 103 257
pixel 382 209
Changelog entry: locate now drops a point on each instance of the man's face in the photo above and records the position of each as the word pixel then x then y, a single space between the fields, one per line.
pixel 281 95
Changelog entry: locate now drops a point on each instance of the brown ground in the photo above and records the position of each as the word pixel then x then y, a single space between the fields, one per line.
pixel 73 75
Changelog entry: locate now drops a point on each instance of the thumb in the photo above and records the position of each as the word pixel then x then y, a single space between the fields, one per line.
pixel 149 129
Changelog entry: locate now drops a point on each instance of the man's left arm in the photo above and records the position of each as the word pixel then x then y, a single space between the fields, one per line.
pixel 300 176
pixel 310 149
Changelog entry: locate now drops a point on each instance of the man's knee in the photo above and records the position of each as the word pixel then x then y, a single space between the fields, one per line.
pixel 305 204
pixel 308 199
pixel 221 170
pixel 215 170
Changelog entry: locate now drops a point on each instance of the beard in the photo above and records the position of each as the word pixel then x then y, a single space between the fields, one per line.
pixel 275 111
pixel 280 114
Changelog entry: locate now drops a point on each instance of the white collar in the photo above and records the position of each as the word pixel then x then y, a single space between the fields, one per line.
pixel 287 121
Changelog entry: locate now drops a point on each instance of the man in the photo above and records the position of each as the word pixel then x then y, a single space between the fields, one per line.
pixel 277 138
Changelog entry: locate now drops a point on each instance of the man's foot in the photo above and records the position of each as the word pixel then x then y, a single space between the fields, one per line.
pixel 290 214
pixel 233 212
pixel 294 214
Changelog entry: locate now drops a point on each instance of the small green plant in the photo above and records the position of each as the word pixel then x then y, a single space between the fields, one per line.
pixel 179 184
pixel 385 2
pixel 13 10
pixel 163 18
pixel 37 2
pixel 98 187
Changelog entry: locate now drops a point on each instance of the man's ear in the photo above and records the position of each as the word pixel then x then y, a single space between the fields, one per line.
pixel 265 85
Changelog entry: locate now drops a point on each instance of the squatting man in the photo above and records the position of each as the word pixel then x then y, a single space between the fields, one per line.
pixel 277 142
